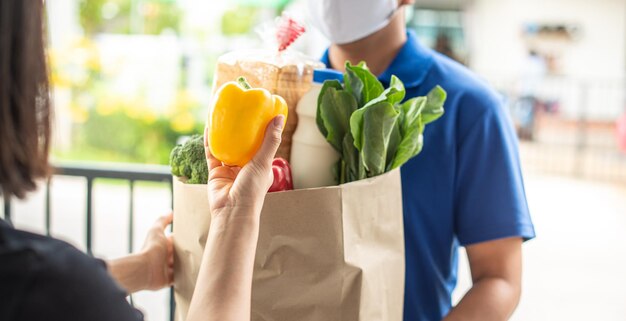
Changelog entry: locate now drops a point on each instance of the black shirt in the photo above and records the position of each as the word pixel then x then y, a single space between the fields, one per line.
pixel 42 278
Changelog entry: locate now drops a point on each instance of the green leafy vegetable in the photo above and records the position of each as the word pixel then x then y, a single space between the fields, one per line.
pixel 334 111
pixel 393 95
pixel 370 126
pixel 394 141
pixel 361 83
pixel 327 84
pixel 412 110
pixel 396 92
pixel 350 159
pixel 377 122
pixel 189 161
pixel 434 105
pixel 410 145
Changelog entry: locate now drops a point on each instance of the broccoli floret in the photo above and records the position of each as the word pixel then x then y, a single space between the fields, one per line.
pixel 188 160
pixel 199 173
pixel 175 161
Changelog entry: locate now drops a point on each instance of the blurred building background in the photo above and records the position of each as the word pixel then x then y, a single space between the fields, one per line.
pixel 131 77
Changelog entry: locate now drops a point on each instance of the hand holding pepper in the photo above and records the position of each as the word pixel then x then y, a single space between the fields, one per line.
pixel 231 187
pixel 236 196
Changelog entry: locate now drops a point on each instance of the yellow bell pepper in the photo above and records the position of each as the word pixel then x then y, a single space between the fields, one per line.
pixel 238 118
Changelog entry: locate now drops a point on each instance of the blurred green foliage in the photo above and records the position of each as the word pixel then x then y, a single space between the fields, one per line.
pixel 278 4
pixel 129 16
pixel 119 129
pixel 111 127
pixel 121 137
pixel 160 16
pixel 128 129
pixel 239 21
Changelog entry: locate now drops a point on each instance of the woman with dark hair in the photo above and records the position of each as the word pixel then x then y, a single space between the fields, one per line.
pixel 46 279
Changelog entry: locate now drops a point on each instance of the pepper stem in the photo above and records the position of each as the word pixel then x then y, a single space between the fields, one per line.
pixel 243 83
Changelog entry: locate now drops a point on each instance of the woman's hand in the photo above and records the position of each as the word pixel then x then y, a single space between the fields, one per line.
pixel 153 267
pixel 224 285
pixel 235 187
pixel 158 254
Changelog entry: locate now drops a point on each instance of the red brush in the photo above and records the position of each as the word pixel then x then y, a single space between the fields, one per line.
pixel 287 31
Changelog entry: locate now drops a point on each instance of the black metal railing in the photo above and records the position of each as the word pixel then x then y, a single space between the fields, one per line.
pixel 131 173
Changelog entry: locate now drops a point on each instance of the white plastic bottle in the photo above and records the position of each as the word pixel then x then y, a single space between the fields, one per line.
pixel 312 157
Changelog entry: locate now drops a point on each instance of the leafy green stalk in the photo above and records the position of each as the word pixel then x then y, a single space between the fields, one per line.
pixel 334 112
pixel 434 105
pixel 318 119
pixel 370 126
pixel 361 83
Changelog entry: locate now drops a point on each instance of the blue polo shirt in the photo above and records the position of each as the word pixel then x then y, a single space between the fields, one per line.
pixel 465 186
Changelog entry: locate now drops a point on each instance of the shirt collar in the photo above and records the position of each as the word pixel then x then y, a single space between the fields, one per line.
pixel 411 64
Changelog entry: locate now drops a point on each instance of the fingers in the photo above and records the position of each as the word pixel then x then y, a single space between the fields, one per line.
pixel 211 161
pixel 163 221
pixel 271 141
pixel 223 172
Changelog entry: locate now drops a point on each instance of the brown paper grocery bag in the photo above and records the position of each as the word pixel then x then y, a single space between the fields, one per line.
pixel 324 254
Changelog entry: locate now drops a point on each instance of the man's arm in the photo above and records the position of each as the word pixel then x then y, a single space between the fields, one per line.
pixel 496 268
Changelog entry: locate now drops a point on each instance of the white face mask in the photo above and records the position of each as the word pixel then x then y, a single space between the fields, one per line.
pixel 345 21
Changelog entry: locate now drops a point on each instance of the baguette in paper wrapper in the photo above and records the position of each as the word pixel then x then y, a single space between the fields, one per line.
pixel 324 254
pixel 288 74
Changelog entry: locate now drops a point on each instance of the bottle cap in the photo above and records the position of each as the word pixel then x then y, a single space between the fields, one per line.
pixel 321 75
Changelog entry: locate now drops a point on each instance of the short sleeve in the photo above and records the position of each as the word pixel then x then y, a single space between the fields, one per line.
pixel 489 188
pixel 73 286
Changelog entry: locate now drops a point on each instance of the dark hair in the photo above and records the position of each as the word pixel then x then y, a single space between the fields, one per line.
pixel 25 112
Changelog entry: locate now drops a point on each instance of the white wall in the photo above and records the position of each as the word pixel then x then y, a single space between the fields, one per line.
pixel 497 47
pixel 595 62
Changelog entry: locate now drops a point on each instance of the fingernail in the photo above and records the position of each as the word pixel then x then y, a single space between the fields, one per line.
pixel 279 121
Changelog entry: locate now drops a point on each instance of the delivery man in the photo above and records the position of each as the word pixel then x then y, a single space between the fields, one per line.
pixel 465 188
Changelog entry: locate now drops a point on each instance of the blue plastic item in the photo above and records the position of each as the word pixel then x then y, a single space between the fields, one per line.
pixel 321 75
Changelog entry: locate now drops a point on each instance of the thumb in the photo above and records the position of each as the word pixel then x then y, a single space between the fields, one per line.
pixel 271 141
pixel 163 221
